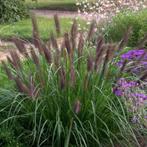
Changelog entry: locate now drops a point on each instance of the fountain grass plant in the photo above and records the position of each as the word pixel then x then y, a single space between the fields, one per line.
pixel 61 93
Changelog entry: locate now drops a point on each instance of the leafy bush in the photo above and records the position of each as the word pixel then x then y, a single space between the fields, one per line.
pixel 12 10
pixel 64 5
pixel 123 21
pixel 62 93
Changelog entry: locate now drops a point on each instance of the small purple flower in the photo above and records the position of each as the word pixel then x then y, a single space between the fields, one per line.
pixel 134 54
pixel 144 62
pixel 120 63
pixel 140 96
pixel 117 92
pixel 122 82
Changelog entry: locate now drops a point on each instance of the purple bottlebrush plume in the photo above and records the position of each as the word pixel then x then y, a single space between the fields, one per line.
pixel 7 70
pixel 35 57
pixel 80 45
pixel 57 60
pixel 20 44
pixel 100 42
pixel 15 60
pixel 125 39
pixel 74 32
pixel 91 31
pixel 74 29
pixel 47 54
pixel 104 68
pixel 62 75
pixel 10 61
pixel 67 44
pixel 48 44
pixel 33 90
pixel 36 37
pixel 77 106
pixel 90 63
pixel 99 47
pixel 62 48
pixel 57 24
pixel 104 71
pixel 54 41
pixel 109 58
pixel 21 86
pixel 99 57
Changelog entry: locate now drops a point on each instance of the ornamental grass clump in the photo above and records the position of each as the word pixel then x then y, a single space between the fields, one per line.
pixel 62 92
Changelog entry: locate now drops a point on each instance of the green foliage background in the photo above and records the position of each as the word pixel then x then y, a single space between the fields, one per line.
pixel 138 21
pixel 12 10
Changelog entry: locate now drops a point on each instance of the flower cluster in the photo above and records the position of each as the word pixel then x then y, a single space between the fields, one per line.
pixel 135 98
pixel 123 86
pixel 105 8
pixel 137 60
pixel 133 91
pixel 134 54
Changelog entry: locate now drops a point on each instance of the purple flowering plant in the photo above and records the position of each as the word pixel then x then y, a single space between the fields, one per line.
pixel 136 60
pixel 132 90
pixel 135 97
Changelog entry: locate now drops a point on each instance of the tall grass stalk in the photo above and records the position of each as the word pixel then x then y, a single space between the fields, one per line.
pixel 60 95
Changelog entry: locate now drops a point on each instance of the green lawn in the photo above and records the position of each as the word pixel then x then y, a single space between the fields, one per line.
pixel 53 5
pixel 23 28
pixel 69 5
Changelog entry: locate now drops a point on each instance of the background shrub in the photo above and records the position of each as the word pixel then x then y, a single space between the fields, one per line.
pixel 122 21
pixel 12 10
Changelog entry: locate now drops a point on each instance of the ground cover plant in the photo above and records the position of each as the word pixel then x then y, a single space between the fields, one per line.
pixel 64 94
pixel 134 62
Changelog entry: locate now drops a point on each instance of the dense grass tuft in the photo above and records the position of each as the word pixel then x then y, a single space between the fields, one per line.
pixel 61 93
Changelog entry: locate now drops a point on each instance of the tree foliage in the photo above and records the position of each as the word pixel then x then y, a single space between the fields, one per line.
pixel 12 10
